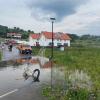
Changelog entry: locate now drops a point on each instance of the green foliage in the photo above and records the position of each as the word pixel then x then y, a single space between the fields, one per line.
pixel 35 50
pixel 83 58
pixel 71 94
pixel 87 36
pixel 4 30
pixel 73 37
pixel 80 94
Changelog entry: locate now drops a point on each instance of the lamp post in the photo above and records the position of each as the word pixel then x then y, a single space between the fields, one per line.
pixel 52 20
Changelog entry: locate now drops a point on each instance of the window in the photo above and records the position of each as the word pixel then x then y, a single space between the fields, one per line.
pixel 65 44
pixel 58 44
pixel 50 44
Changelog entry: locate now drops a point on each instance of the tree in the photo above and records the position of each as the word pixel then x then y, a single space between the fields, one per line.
pixel 73 37
pixel 3 31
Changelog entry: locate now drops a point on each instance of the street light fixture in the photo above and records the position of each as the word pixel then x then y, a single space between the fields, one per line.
pixel 52 20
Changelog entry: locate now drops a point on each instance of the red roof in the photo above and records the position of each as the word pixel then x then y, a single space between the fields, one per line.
pixel 35 36
pixel 61 36
pixel 48 35
pixel 64 37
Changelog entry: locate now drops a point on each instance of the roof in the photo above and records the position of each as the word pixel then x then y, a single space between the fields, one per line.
pixel 58 35
pixel 65 37
pixel 35 36
pixel 48 35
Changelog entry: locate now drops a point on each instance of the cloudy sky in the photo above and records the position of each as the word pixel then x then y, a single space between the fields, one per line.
pixel 72 16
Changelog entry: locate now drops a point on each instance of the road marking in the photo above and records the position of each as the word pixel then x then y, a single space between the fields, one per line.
pixel 6 94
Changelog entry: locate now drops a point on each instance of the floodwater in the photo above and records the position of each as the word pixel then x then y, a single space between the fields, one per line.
pixel 7 55
pixel 11 73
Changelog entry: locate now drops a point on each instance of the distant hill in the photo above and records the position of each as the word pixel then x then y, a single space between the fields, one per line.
pixel 4 30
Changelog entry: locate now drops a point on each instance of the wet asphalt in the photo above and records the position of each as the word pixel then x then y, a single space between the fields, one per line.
pixel 8 55
pixel 13 86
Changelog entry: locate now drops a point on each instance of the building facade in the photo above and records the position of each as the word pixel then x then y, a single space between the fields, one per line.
pixel 14 35
pixel 45 39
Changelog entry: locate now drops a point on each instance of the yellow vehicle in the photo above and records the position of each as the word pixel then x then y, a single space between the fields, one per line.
pixel 24 49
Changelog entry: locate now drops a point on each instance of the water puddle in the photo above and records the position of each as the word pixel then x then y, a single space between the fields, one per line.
pixel 11 72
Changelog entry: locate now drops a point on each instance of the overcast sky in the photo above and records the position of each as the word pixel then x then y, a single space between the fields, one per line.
pixel 72 16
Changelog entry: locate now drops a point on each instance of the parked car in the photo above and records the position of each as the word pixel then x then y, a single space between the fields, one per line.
pixel 24 49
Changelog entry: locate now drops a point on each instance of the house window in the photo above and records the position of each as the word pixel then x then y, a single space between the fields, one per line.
pixel 50 44
pixel 65 44
pixel 58 44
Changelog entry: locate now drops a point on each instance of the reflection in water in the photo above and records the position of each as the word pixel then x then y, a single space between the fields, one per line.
pixel 3 64
pixel 29 64
pixel 9 63
pixel 11 76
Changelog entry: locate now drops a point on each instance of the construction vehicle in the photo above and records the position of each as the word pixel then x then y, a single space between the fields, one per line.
pixel 24 49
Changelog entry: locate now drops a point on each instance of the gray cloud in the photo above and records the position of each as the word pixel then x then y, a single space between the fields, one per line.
pixel 43 9
pixel 93 28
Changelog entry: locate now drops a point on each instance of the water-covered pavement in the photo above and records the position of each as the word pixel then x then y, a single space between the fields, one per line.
pixel 8 55
pixel 13 85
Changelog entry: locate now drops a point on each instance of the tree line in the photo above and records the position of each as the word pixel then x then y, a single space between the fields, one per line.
pixel 83 37
pixel 4 30
pixel 25 34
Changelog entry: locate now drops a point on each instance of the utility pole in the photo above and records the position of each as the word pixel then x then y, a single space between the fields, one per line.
pixel 52 20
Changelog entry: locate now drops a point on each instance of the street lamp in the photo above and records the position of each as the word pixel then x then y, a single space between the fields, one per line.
pixel 52 20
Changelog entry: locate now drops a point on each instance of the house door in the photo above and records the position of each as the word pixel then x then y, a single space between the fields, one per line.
pixel 37 44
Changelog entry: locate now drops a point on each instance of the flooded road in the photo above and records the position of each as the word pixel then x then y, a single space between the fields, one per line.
pixel 13 85
pixel 8 55
pixel 12 55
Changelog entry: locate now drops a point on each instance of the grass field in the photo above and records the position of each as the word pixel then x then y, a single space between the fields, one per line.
pixel 82 58
pixel 87 59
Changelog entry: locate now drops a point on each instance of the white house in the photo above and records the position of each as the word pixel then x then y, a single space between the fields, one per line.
pixel 14 35
pixel 45 39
